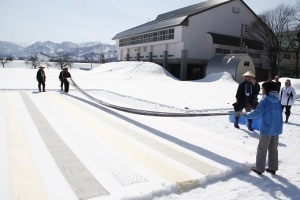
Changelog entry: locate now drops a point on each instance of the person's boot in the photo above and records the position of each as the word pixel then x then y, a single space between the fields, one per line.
pixel 39 88
pixel 44 89
pixel 236 122
pixel 287 118
pixel 250 125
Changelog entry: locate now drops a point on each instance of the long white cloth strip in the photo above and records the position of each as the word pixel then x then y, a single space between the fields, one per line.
pixel 24 179
pixel 80 179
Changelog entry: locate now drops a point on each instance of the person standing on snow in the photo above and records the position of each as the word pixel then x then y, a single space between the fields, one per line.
pixel 288 97
pixel 256 91
pixel 270 127
pixel 245 98
pixel 61 79
pixel 65 76
pixel 278 83
pixel 41 78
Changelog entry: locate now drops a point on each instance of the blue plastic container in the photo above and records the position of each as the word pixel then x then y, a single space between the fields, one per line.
pixel 255 124
pixel 243 120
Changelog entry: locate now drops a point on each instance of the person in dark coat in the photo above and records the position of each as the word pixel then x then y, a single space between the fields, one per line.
pixel 61 80
pixel 278 83
pixel 245 98
pixel 65 76
pixel 41 78
pixel 256 91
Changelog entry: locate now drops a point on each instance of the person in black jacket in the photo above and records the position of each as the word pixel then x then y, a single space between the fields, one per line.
pixel 245 97
pixel 278 83
pixel 65 76
pixel 41 78
pixel 61 79
pixel 256 91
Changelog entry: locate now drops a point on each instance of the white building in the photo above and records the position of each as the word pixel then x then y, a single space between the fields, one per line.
pixel 184 40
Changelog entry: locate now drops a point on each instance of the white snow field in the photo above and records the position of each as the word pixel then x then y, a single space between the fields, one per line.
pixel 64 146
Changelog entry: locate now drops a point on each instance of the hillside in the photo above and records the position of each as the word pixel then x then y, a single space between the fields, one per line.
pixel 89 51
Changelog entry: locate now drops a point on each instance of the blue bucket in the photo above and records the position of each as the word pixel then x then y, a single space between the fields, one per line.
pixel 255 124
pixel 242 119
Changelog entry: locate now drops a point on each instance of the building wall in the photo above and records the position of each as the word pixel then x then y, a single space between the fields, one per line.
pixel 195 39
pixel 156 47
pixel 220 20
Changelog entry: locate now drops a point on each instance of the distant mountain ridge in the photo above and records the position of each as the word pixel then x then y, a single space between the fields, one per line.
pixel 46 50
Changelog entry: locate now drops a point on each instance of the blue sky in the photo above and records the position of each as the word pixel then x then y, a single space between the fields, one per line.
pixel 88 20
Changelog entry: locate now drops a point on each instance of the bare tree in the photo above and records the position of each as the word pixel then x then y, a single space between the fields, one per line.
pixel 63 60
pixel 33 61
pixel 270 31
pixel 294 37
pixel 4 60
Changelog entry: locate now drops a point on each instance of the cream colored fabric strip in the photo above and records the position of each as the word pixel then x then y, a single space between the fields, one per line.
pixel 24 178
pixel 79 177
pixel 149 159
pixel 4 175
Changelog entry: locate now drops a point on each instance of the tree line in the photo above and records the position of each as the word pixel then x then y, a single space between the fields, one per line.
pixel 278 30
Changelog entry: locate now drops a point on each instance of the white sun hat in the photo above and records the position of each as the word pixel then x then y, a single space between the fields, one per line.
pixel 249 73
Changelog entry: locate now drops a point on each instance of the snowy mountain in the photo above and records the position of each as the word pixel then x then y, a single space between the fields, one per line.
pixel 88 51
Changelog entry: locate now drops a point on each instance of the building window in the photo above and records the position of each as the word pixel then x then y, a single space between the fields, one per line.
pixel 222 51
pixel 254 55
pixel 235 10
pixel 246 64
pixel 167 34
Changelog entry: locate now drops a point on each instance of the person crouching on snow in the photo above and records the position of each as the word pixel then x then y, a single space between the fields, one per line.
pixel 269 112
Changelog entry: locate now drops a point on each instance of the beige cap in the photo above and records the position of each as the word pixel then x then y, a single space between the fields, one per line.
pixel 249 73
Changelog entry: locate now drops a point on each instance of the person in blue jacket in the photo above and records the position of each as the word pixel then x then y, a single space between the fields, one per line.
pixel 269 111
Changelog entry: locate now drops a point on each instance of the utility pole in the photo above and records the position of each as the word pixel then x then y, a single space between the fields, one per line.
pixel 243 30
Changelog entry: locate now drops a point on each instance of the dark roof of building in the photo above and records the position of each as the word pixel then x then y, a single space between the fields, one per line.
pixel 235 41
pixel 172 18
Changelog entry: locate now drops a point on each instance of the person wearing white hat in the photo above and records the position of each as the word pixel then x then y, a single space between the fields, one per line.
pixel 41 78
pixel 245 98
pixel 287 97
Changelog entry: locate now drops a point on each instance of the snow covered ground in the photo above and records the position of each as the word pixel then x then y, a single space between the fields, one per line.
pixel 65 146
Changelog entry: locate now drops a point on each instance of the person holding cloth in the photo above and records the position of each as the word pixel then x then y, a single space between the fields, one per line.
pixel 288 97
pixel 245 98
pixel 270 127
pixel 65 76
pixel 41 78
